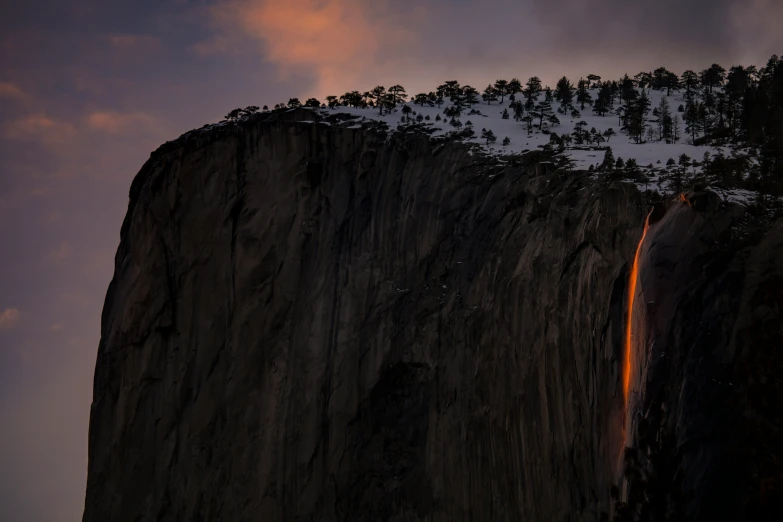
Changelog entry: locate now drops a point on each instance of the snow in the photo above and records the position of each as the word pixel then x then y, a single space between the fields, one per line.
pixel 654 154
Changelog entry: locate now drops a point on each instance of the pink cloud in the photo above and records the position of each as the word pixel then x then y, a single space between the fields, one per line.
pixel 113 122
pixel 39 128
pixel 9 318
pixel 11 91
pixel 338 40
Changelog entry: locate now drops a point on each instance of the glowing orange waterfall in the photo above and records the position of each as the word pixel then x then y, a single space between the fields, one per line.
pixel 629 324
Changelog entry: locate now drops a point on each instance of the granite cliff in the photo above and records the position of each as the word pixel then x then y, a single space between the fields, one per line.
pixel 314 322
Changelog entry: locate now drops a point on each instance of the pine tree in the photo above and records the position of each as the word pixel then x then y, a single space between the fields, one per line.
pixel 691 81
pixel 608 133
pixel 505 114
pixel 564 92
pixel 406 111
pixel 423 99
pixel 470 95
pixel 377 95
pixel 294 103
pixel 506 141
pixel 643 80
pixel 528 118
pixel 501 88
pixel 542 111
pixel 398 95
pixel 448 89
pixel 531 91
pixel 636 117
pixel 676 129
pixel 490 94
pixel 714 76
pixel 582 94
pixel 266 108
pixel 489 136
pixel 603 102
pixel 691 117
pixel 312 102
pixel 594 79
pixel 514 86
pixel 664 120
pixel 608 162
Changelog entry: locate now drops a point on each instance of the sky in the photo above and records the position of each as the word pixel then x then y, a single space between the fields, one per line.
pixel 88 88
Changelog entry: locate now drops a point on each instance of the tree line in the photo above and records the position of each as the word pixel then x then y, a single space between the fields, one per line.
pixel 741 105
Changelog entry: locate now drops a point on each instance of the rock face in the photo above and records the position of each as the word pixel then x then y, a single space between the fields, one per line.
pixel 312 322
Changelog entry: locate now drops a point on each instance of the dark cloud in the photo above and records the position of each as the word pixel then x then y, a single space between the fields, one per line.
pixel 673 32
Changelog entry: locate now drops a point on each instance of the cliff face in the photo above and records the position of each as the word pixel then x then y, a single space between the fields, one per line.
pixel 313 322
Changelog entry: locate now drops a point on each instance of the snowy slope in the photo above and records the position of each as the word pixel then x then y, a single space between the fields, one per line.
pixel 654 154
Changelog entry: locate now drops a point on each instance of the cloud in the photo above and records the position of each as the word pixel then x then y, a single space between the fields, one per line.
pixel 338 41
pixel 9 318
pixel 674 31
pixel 39 128
pixel 11 91
pixel 112 122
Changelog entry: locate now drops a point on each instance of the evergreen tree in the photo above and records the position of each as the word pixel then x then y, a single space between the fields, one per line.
pixel 490 94
pixel 528 118
pixel 542 111
pixel 233 115
pixel 505 114
pixel 506 141
pixel 664 121
pixel 531 91
pixel 514 86
pixel 676 129
pixel 470 95
pixel 714 76
pixel 423 99
pixel 548 96
pixel 593 79
pixel 604 100
pixel 489 136
pixel 608 133
pixel 406 111
pixel 501 88
pixel 608 163
pixel 564 92
pixel 643 80
pixel 582 94
pixel 266 108
pixel 636 117
pixel 377 95
pixel 448 89
pixel 332 101
pixel 398 95
pixel 312 102
pixel 519 109
pixel 294 103
pixel 691 81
